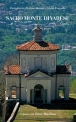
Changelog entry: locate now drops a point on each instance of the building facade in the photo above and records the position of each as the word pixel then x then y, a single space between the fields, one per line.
pixel 37 78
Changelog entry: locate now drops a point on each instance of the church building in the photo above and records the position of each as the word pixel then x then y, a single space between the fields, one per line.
pixel 37 78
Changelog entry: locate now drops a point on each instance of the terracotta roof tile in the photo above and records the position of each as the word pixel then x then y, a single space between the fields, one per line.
pixel 12 69
pixel 15 70
pixel 33 45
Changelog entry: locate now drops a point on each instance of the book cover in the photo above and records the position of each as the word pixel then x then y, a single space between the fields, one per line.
pixel 57 19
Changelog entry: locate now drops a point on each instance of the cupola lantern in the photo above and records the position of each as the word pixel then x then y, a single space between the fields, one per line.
pixel 37 34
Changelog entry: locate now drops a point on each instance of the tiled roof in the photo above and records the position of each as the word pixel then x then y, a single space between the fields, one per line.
pixel 12 69
pixel 15 70
pixel 33 45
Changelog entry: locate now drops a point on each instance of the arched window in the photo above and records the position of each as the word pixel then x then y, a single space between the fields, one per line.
pixel 61 92
pixel 14 92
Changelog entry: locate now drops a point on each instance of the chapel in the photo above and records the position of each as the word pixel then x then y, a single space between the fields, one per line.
pixel 37 78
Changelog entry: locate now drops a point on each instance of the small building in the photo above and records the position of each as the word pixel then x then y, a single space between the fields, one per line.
pixel 66 47
pixel 37 78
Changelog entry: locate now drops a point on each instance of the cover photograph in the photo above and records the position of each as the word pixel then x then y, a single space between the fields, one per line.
pixel 37 60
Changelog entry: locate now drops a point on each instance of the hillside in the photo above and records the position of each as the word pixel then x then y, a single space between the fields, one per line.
pixel 11 39
pixel 57 18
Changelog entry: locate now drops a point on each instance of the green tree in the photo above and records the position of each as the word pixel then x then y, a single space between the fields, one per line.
pixel 73 86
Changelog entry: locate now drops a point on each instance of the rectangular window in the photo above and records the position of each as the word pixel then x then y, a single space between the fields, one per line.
pixel 38 62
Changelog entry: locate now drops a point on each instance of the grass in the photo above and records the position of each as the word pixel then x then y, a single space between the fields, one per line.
pixel 72 95
pixel 31 113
